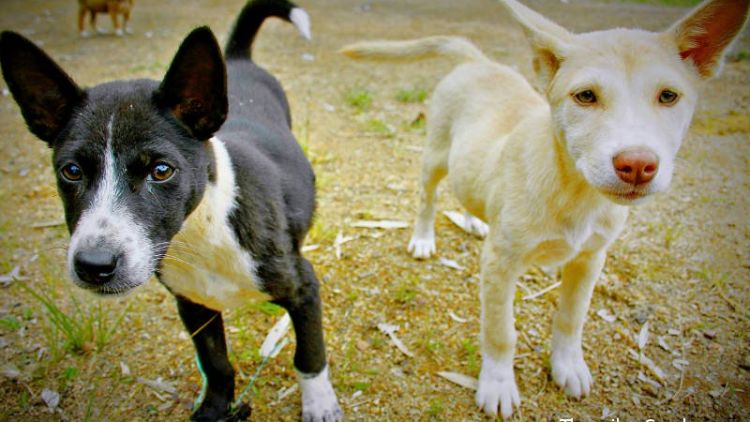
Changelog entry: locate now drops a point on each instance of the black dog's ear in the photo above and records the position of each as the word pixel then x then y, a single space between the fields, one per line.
pixel 195 87
pixel 43 91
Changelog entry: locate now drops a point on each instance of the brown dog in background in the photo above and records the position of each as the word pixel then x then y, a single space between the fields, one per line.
pixel 113 7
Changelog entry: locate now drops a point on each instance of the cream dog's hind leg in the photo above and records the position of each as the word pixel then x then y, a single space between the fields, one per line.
pixel 422 243
pixel 434 169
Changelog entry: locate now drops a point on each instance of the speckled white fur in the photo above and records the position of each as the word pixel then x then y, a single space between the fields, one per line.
pixel 109 224
pixel 319 403
pixel 301 20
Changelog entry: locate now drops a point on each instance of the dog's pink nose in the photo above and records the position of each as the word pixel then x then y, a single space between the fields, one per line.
pixel 636 166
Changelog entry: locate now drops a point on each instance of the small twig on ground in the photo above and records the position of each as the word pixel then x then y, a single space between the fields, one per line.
pixel 543 291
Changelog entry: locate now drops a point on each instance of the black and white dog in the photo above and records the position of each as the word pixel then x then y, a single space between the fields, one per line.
pixel 197 179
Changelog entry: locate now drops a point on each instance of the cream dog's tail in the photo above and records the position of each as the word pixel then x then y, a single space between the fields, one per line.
pixel 418 49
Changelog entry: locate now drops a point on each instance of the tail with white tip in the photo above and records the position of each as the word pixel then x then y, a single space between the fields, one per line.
pixel 251 18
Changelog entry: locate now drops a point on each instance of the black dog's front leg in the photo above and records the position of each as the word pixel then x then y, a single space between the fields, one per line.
pixel 319 402
pixel 304 310
pixel 206 328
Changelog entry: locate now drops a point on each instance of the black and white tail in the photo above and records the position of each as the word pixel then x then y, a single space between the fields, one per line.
pixel 251 18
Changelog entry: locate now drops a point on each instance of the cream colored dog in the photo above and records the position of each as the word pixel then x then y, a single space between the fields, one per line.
pixel 554 178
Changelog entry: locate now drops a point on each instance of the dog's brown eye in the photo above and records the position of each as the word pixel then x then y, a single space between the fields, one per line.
pixel 72 173
pixel 668 97
pixel 161 172
pixel 585 97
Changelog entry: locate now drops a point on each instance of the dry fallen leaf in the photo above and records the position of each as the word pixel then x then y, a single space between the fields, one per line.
pixel 380 224
pixel 456 317
pixel 680 364
pixel 460 379
pixel 286 392
pixel 648 380
pixel 277 332
pixel 310 248
pixel 542 292
pixel 124 369
pixel 10 371
pixel 663 343
pixel 390 330
pixel 451 264
pixel 643 336
pixel 340 240
pixel 159 385
pixel 648 363
pixel 51 398
pixel 605 315
pixel 14 275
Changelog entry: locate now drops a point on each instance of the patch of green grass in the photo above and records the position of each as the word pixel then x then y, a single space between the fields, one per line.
pixel 319 233
pixel 25 399
pixel 671 233
pixel 372 371
pixel 378 342
pixel 411 95
pixel 69 374
pixel 28 313
pixel 269 308
pixel 419 123
pixel 436 408
pixel 434 346
pixel 359 98
pixel 249 354
pixel 380 127
pixel 406 292
pixel 742 56
pixel 472 355
pixel 361 385
pixel 10 323
pixel 81 329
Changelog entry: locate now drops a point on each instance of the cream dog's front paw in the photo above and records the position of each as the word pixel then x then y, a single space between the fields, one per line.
pixel 570 371
pixel 497 388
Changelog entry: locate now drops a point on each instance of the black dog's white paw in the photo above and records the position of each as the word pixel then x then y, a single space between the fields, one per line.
pixel 319 402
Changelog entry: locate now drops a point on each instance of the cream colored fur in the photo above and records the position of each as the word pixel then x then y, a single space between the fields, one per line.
pixel 539 171
pixel 205 261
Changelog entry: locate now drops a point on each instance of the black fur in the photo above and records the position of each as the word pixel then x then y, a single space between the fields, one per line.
pixel 148 123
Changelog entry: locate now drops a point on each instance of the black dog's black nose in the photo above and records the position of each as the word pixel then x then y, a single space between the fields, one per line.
pixel 95 267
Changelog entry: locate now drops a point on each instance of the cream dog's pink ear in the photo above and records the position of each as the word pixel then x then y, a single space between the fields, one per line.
pixel 704 35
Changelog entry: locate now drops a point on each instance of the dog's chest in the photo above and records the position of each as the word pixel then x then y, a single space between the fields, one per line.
pixel 205 263
pixel 579 235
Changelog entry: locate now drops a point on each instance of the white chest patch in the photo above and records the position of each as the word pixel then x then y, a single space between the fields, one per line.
pixel 205 262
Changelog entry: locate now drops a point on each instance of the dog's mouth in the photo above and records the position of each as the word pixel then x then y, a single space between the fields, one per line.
pixel 108 290
pixel 632 197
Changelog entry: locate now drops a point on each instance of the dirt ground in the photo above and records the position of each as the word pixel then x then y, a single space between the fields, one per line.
pixel 682 264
